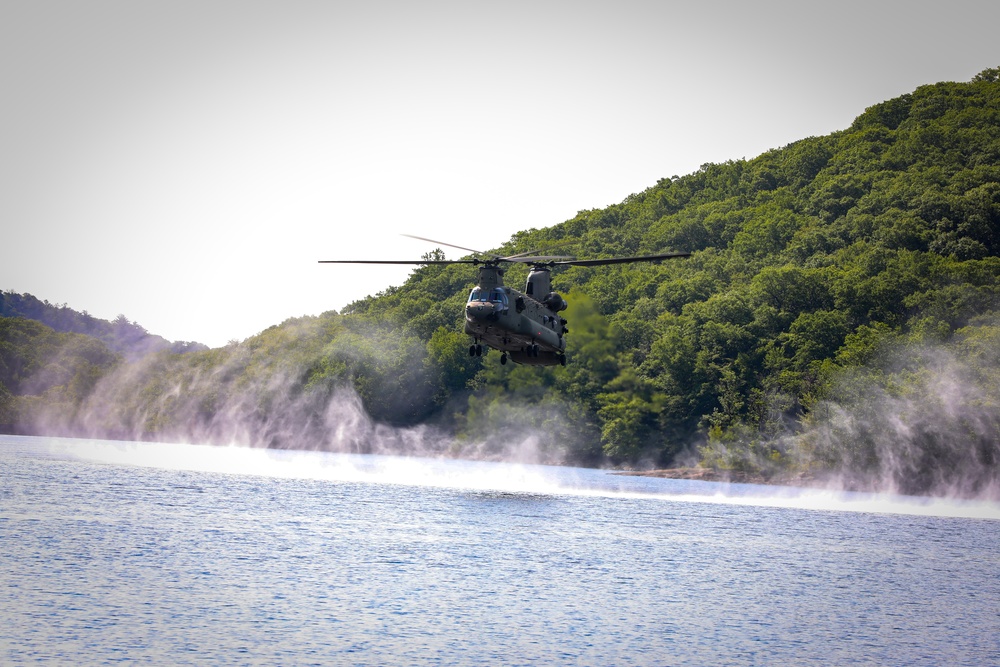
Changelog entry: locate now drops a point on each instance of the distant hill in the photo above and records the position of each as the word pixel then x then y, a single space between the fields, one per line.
pixel 127 338
pixel 46 370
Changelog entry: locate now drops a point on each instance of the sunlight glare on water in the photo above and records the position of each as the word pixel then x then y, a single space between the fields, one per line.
pixel 505 477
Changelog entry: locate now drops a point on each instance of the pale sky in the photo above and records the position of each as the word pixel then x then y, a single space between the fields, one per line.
pixel 186 163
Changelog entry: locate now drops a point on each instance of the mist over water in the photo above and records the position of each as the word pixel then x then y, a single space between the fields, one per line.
pixel 223 403
pixel 921 420
pixel 918 419
pixel 930 425
pixel 220 406
pixel 488 476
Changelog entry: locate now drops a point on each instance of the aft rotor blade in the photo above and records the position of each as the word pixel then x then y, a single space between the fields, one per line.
pixel 392 261
pixel 537 259
pixel 518 255
pixel 450 245
pixel 622 260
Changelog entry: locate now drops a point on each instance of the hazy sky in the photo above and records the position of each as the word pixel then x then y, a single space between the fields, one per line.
pixel 186 163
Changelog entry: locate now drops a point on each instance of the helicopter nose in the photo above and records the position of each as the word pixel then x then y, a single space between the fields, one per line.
pixel 479 310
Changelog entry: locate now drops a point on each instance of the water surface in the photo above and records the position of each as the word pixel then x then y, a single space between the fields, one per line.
pixel 181 554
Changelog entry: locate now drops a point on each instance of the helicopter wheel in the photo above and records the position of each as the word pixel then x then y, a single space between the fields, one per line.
pixel 479 350
pixel 503 359
pixel 562 359
pixel 472 350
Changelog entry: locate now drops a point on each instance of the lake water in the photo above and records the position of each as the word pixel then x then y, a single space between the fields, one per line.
pixel 183 554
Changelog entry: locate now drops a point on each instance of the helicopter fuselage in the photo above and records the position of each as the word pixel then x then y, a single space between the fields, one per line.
pixel 526 330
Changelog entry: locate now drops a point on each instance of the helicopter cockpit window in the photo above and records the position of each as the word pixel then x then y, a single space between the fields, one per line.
pixel 496 295
pixel 499 297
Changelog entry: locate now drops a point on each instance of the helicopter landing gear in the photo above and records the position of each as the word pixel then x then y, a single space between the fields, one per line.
pixel 503 359
pixel 476 350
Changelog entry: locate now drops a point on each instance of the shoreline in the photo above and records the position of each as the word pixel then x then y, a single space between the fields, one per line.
pixel 803 479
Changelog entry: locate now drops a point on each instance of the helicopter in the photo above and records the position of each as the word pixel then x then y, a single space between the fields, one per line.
pixel 525 328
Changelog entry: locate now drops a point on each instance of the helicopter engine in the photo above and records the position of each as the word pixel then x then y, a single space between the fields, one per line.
pixel 554 302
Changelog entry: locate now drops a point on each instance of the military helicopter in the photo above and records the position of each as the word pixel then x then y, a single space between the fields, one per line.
pixel 525 327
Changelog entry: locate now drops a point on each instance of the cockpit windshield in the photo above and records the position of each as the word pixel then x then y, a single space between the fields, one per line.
pixel 496 295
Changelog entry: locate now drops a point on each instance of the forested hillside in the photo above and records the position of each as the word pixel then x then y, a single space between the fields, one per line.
pixel 839 315
pixel 44 370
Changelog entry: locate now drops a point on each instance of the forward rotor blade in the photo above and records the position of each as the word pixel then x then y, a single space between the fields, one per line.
pixel 622 260
pixel 392 261
pixel 450 245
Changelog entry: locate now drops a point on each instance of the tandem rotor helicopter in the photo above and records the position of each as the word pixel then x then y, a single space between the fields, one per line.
pixel 525 327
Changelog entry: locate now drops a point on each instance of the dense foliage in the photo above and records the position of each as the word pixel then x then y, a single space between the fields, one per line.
pixel 45 371
pixel 840 312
